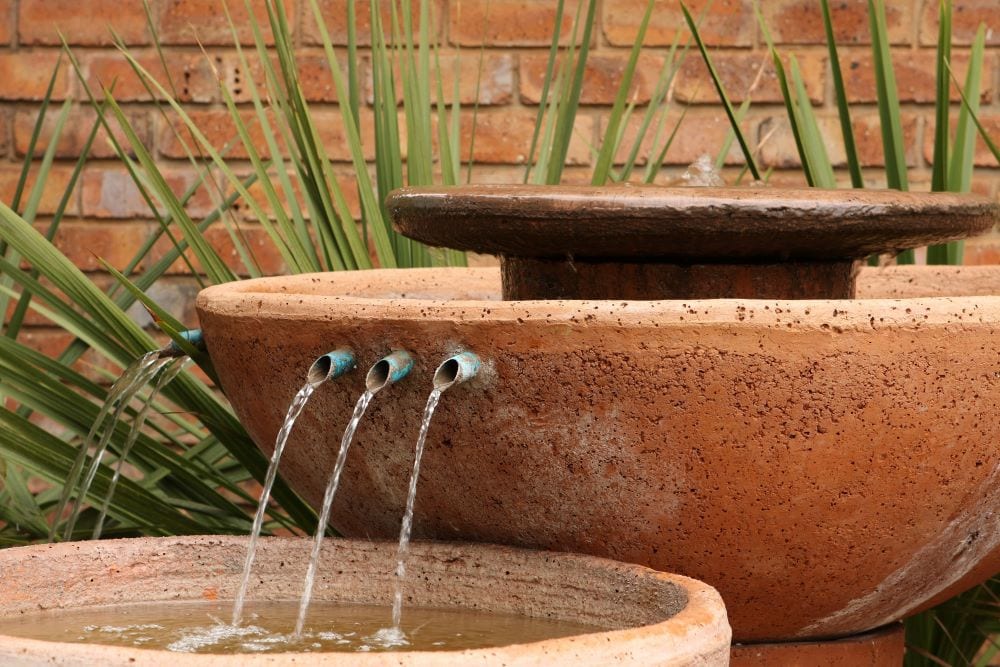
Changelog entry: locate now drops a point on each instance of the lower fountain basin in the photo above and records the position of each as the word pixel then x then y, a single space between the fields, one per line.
pixel 829 465
pixel 641 617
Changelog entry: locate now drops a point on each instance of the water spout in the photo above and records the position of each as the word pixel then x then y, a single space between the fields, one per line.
pixel 331 366
pixel 455 370
pixel 390 369
pixel 192 336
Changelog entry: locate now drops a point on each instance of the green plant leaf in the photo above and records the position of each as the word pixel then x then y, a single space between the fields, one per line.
pixel 888 99
pixel 717 82
pixel 612 134
pixel 840 95
pixel 942 100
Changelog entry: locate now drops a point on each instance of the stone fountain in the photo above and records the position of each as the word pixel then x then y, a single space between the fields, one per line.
pixel 702 381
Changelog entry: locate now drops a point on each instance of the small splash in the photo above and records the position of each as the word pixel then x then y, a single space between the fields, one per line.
pixel 389 638
pixel 702 174
pixel 121 629
pixel 198 639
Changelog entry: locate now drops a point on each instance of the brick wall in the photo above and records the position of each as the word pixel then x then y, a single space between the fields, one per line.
pixel 108 219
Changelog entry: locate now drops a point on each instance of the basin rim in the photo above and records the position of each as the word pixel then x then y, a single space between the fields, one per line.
pixel 702 620
pixel 275 298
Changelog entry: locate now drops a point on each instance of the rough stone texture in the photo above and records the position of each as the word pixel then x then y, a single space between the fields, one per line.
pixel 641 617
pixel 909 282
pixel 695 223
pixel 577 242
pixel 882 648
pixel 528 278
pixel 828 465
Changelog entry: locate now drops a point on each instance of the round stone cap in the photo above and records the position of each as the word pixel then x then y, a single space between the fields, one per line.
pixel 684 224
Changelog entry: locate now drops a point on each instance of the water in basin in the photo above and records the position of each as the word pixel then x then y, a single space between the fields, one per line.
pixel 197 627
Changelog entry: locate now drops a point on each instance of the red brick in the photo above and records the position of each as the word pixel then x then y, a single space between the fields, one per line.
pixel 204 21
pixel 264 252
pixel 346 180
pixel 333 134
pixel 25 75
pixel 700 133
pixel 335 14
pixel 50 342
pixel 983 156
pixel 85 243
pixel 110 192
pixel 915 76
pixel 868 137
pixel 218 128
pixel 52 192
pixel 727 23
pixel 494 80
pixel 780 151
pixel 31 318
pixel 4 138
pixel 191 74
pixel 738 72
pixel 646 145
pixel 75 133
pixel 90 23
pixel 6 21
pixel 313 76
pixel 497 173
pixel 178 295
pixel 794 178
pixel 778 148
pixel 508 22
pixel 965 19
pixel 602 78
pixel 801 21
pixel 504 137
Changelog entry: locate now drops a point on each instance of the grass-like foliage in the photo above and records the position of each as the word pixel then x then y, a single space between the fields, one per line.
pixel 190 464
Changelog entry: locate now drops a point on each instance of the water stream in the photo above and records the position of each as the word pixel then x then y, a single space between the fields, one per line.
pixel 119 396
pixel 324 515
pixel 294 410
pixel 171 370
pixel 394 636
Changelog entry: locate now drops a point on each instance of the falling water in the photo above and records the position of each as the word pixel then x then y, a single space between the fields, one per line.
pixel 120 394
pixel 324 515
pixel 294 410
pixel 394 636
pixel 172 369
pixel 702 173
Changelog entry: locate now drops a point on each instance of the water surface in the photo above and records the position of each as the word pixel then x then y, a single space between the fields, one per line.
pixel 268 627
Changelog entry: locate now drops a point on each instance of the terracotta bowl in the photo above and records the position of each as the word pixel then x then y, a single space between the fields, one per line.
pixel 641 617
pixel 829 465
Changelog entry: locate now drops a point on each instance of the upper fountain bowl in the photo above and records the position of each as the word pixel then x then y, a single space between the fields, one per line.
pixel 572 242
pixel 684 224
pixel 828 463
